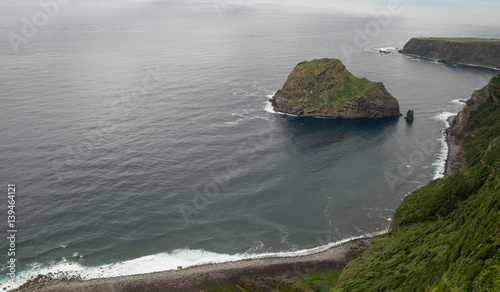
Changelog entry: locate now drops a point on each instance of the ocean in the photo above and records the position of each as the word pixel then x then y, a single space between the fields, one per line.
pixel 140 138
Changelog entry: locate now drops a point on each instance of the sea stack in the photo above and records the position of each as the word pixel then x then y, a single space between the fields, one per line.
pixel 409 116
pixel 324 88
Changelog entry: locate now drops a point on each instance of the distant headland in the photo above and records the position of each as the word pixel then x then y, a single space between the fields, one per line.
pixel 324 88
pixel 470 51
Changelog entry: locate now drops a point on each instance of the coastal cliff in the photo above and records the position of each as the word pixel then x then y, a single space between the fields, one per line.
pixel 324 88
pixel 481 52
pixel 480 99
pixel 445 236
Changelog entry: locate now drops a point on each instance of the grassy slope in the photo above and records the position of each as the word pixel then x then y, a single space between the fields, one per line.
pixel 312 85
pixel 315 62
pixel 465 40
pixel 350 89
pixel 449 235
pixel 321 281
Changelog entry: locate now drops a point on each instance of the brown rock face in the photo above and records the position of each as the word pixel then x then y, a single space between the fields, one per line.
pixel 480 99
pixel 481 52
pixel 409 116
pixel 324 88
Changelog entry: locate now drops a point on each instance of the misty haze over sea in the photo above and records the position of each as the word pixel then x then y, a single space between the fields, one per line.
pixel 140 137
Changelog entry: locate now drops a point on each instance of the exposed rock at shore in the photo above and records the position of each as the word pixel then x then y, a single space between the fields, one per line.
pixel 459 130
pixel 453 160
pixel 410 116
pixel 324 88
pixel 481 52
pixel 480 99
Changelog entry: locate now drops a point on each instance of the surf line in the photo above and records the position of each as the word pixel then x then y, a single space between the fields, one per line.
pixel 423 150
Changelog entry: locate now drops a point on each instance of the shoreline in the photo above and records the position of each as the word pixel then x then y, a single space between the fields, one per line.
pixel 453 161
pixel 197 277
pixel 450 63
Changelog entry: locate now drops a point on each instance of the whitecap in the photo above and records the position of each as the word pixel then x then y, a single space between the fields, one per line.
pixel 233 123
pixel 163 262
pixel 259 245
pixel 442 155
pixel 284 236
pixel 250 118
pixel 269 108
pixel 458 101
pixel 444 116
pixel 387 50
pixel 262 118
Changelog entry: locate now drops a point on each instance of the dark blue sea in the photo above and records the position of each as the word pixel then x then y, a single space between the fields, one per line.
pixel 140 137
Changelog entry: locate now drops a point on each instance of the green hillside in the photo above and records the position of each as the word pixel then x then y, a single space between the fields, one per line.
pixel 447 234
pixel 325 88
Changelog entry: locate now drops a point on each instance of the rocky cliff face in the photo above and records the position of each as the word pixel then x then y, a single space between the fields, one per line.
pixel 324 88
pixel 465 51
pixel 480 99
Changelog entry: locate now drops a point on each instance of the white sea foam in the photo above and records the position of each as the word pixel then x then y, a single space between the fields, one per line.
pixel 249 118
pixel 160 262
pixel 440 164
pixel 269 107
pixel 233 123
pixel 387 50
pixel 458 102
pixel 143 265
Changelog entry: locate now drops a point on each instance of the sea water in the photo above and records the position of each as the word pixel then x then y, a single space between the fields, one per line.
pixel 140 137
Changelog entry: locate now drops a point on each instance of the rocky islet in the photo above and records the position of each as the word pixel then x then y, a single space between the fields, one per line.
pixel 326 89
